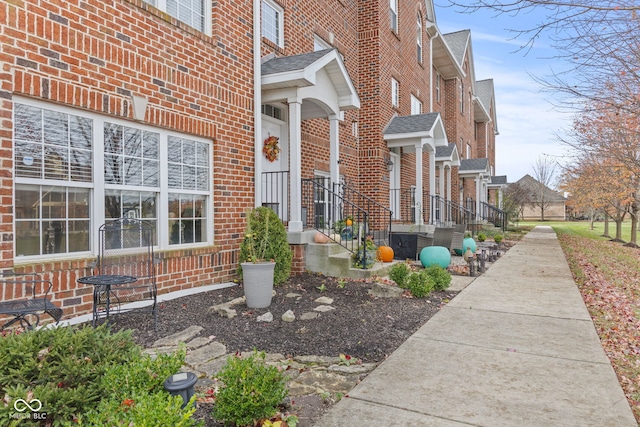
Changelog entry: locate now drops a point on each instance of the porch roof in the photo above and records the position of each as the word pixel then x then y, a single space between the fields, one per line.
pixel 416 129
pixel 448 154
pixel 473 168
pixel 304 70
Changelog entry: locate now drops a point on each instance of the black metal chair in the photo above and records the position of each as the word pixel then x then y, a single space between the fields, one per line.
pixel 32 298
pixel 126 252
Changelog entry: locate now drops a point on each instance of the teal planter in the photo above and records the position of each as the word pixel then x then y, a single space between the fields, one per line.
pixel 467 243
pixel 435 255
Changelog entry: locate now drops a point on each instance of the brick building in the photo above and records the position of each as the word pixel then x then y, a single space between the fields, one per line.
pixel 148 108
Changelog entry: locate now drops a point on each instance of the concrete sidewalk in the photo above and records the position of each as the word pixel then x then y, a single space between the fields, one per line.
pixel 515 348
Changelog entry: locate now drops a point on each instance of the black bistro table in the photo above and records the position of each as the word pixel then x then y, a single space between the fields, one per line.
pixel 102 285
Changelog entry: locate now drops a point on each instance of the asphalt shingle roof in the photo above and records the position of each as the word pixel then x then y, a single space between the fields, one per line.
pixel 445 151
pixel 412 124
pixel 473 165
pixel 458 43
pixel 532 184
pixel 291 63
pixel 499 180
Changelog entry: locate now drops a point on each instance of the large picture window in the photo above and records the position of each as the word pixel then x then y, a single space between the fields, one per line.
pixel 64 190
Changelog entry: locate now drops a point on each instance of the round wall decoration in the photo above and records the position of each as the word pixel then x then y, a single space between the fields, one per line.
pixel 271 148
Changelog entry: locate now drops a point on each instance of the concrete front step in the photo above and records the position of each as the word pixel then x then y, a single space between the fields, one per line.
pixel 333 260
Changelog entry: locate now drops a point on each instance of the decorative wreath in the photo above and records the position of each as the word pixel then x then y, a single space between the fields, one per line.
pixel 271 149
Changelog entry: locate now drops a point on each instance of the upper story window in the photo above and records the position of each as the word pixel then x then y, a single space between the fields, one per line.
pixel 393 14
pixel 273 22
pixel 461 98
pixel 395 92
pixel 75 170
pixel 438 78
pixel 416 105
pixel 419 39
pixel 468 150
pixel 191 12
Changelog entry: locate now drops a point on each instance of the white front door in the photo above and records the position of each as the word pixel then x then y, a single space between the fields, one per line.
pixel 275 176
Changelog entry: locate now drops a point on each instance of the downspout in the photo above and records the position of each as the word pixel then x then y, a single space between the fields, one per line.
pixel 431 68
pixel 257 104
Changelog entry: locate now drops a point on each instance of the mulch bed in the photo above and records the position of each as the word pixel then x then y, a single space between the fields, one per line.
pixel 361 326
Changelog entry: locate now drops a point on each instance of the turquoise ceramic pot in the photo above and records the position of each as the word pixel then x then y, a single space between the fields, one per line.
pixel 435 255
pixel 468 242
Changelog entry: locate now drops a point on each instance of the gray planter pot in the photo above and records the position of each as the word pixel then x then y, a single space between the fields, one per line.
pixel 258 283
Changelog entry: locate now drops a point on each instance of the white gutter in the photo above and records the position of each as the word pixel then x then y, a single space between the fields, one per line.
pixel 257 104
pixel 431 69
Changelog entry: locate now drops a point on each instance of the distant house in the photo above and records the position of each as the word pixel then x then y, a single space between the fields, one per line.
pixel 554 202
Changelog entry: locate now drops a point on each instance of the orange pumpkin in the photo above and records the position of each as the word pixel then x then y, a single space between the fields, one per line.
pixel 320 238
pixel 349 222
pixel 385 254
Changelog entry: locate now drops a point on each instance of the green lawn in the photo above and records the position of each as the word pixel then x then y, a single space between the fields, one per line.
pixel 583 228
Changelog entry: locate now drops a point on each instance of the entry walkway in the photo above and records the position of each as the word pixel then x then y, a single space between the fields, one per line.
pixel 515 348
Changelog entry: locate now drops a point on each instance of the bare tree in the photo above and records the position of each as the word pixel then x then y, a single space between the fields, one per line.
pixel 514 201
pixel 544 171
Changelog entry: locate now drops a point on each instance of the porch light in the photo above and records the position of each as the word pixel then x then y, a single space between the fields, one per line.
pixel 389 164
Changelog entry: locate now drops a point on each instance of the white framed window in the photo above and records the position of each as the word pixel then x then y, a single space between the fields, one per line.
pixel 419 38
pixel 75 170
pixel 194 13
pixel 461 98
pixel 393 14
pixel 416 105
pixel 468 150
pixel 273 22
pixel 438 79
pixel 395 92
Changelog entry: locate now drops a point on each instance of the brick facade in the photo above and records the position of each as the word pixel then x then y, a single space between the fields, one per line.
pixel 94 56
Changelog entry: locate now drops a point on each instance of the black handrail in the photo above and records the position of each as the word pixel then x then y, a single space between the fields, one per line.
pixel 379 214
pixel 340 219
pixel 494 215
pixel 448 212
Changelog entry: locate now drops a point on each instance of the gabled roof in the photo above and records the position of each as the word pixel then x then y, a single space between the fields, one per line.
pixel 448 153
pixel 533 185
pixel 499 180
pixel 306 70
pixel 474 168
pixel 486 95
pixel 458 43
pixel 408 130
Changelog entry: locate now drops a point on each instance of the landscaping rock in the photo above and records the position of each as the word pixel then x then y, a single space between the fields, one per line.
pixel 205 354
pixel 309 315
pixel 267 317
pixel 382 290
pixel 324 300
pixel 288 316
pixel 324 308
pixel 177 338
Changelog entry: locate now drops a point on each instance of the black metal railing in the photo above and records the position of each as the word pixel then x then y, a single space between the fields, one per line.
pixel 275 192
pixel 447 212
pixel 403 204
pixel 494 215
pixel 379 215
pixel 334 215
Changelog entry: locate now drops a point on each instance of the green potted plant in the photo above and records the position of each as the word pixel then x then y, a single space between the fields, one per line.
pixel 265 256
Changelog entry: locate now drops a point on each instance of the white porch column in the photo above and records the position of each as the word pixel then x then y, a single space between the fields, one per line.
pixel 419 193
pixel 334 147
pixel 432 184
pixel 442 181
pixel 448 182
pixel 500 194
pixel 478 194
pixel 295 163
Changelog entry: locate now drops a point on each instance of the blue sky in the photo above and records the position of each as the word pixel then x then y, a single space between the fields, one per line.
pixel 527 120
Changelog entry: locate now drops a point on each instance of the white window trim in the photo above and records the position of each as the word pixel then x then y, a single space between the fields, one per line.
pixel 206 7
pixel 393 15
pixel 280 10
pixel 419 39
pixel 96 207
pixel 395 92
pixel 416 105
pixel 319 43
pixel 438 78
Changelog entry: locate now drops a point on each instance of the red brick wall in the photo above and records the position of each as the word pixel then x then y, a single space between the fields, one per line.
pixel 93 55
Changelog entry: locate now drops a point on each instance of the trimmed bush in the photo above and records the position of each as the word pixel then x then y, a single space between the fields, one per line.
pixel 420 284
pixel 251 390
pixel 274 241
pixel 441 277
pixel 82 376
pixel 399 274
